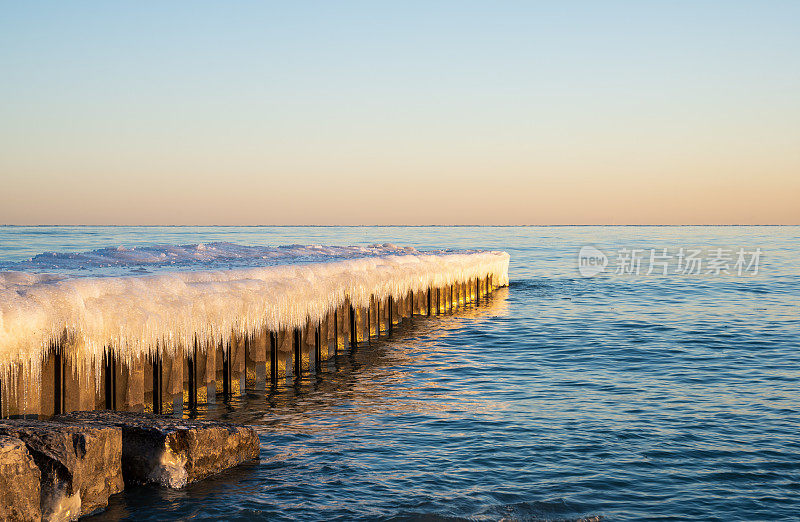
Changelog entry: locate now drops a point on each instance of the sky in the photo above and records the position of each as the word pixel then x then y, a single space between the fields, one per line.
pixel 656 112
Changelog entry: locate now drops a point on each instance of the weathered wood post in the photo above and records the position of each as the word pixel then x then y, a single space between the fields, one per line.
pixel 309 346
pixel 336 332
pixel 157 384
pixel 227 377
pixel 317 349
pixel 324 336
pixel 390 309
pixel 378 318
pixel 207 373
pixel 191 378
pixel 110 379
pixel 353 329
pixel 130 385
pixel 173 369
pixel 429 302
pixel 238 373
pixel 363 324
pixel 369 321
pixel 58 381
pixel 298 355
pixel 273 358
pixel 450 306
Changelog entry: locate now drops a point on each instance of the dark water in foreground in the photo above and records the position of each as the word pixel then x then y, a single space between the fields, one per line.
pixel 624 396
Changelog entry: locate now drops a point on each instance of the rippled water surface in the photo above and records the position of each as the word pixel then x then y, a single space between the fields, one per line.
pixel 621 396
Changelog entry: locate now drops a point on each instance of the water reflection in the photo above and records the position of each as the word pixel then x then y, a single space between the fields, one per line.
pixel 369 377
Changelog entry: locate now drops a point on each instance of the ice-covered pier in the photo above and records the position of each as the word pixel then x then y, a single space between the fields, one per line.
pixel 169 340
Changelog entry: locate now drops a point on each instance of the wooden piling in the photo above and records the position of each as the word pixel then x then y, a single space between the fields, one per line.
pixel 317 348
pixel 110 379
pixel 378 318
pixel 165 383
pixel 298 355
pixel 58 379
pixel 335 332
pixel 353 329
pixel 369 322
pixel 157 385
pixel 191 377
pixel 390 322
pixel 273 358
pixel 226 372
pixel 428 308
pixel 256 350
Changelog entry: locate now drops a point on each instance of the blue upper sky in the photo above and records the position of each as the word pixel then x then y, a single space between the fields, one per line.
pixel 544 112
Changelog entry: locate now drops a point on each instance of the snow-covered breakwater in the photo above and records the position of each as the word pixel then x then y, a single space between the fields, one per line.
pixel 155 341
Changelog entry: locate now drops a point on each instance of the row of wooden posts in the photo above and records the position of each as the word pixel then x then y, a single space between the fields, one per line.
pixel 165 384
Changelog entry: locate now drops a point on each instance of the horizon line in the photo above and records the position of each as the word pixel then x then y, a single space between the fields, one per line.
pixel 409 226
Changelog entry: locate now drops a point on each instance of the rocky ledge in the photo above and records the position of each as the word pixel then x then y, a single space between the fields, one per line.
pixel 172 452
pixel 69 466
pixel 20 488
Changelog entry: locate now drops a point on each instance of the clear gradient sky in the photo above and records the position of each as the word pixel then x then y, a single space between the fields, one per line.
pixel 668 112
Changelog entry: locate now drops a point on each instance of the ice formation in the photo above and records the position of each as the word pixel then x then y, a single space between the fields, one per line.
pixel 134 315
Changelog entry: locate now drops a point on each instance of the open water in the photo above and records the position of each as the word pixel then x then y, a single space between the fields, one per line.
pixel 624 396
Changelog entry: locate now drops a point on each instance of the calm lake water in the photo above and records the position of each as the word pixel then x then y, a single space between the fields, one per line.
pixel 625 396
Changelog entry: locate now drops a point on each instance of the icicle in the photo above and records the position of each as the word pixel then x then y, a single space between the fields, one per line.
pixel 132 315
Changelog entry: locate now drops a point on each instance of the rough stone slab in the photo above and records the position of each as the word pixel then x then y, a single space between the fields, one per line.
pixel 80 465
pixel 173 452
pixel 20 493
